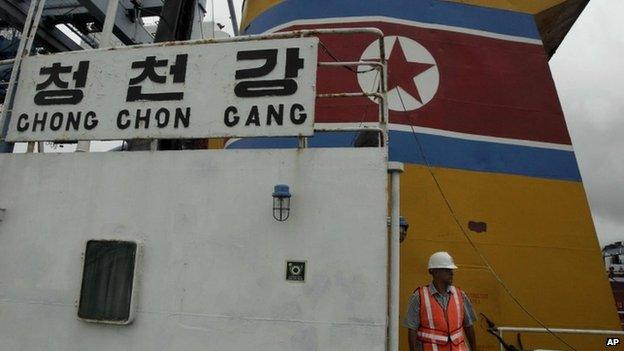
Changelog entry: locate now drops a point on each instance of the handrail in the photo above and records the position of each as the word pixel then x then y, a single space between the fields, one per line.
pixel 562 330
pixel 557 330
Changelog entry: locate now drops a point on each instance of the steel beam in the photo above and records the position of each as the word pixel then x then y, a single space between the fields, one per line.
pixel 54 39
pixel 125 29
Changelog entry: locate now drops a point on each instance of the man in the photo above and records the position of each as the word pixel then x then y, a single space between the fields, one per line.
pixel 440 316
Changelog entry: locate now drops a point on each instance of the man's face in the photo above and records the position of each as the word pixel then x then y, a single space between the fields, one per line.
pixel 443 275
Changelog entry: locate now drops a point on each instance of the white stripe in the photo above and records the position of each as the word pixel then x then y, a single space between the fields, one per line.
pixel 476 137
pixel 434 347
pixel 432 336
pixel 457 335
pixel 230 142
pixel 456 300
pixel 338 20
pixel 443 133
pixel 449 134
pixel 428 307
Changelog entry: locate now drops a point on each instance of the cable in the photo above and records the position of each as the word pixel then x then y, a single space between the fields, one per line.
pixel 461 228
pixel 337 60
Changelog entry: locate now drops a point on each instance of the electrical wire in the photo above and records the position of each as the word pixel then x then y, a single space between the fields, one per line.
pixel 337 60
pixel 472 244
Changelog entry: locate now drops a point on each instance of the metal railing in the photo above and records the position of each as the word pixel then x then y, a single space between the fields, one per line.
pixel 501 330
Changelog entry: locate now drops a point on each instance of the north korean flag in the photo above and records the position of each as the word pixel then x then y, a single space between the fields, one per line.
pixel 446 80
pixel 469 87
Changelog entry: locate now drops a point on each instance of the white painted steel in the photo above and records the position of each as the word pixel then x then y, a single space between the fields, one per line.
pixel 109 23
pixel 7 61
pixel 30 40
pixel 208 91
pixel 232 10
pixel 213 267
pixel 30 27
pixel 395 169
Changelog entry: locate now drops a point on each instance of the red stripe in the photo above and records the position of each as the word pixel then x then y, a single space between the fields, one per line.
pixel 488 86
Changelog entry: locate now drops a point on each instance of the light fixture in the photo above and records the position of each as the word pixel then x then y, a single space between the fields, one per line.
pixel 281 202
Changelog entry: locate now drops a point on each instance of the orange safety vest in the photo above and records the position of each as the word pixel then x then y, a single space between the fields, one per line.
pixel 441 330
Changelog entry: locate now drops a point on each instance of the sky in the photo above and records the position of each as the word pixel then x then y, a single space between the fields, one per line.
pixel 588 70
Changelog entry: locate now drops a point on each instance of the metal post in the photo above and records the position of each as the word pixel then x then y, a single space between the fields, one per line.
pixel 109 23
pixel 395 169
pixel 28 32
pixel 233 17
pixel 105 42
pixel 383 90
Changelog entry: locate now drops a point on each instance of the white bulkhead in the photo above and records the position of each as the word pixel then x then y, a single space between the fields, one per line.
pixel 211 274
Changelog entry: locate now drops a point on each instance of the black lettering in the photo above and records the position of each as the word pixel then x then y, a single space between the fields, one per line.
pixel 178 70
pixel 73 121
pixel 185 118
pixel 22 127
pixel 270 61
pixel 293 63
pixel 230 118
pixel 300 117
pixel 254 117
pixel 139 118
pixel 90 120
pixel 259 88
pixel 278 115
pixel 56 121
pixel 39 121
pixel 162 117
pixel 123 124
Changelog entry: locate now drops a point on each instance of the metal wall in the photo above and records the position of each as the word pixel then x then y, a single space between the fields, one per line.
pixel 213 264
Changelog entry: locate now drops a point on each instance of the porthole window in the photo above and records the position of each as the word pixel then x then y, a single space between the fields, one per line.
pixel 108 279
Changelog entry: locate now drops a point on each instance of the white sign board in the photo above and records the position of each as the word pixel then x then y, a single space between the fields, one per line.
pixel 194 90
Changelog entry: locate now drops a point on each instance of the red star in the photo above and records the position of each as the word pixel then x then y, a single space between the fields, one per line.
pixel 402 72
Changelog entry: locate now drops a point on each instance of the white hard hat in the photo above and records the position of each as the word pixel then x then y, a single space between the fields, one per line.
pixel 441 260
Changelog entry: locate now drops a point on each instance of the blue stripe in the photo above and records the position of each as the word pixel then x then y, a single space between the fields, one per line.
pixel 449 153
pixel 428 11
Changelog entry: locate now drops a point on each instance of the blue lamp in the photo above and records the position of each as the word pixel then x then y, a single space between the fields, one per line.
pixel 281 202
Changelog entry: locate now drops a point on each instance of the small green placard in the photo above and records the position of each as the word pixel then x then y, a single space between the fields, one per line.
pixel 295 271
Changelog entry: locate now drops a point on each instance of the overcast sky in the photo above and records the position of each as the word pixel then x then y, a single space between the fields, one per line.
pixel 588 70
